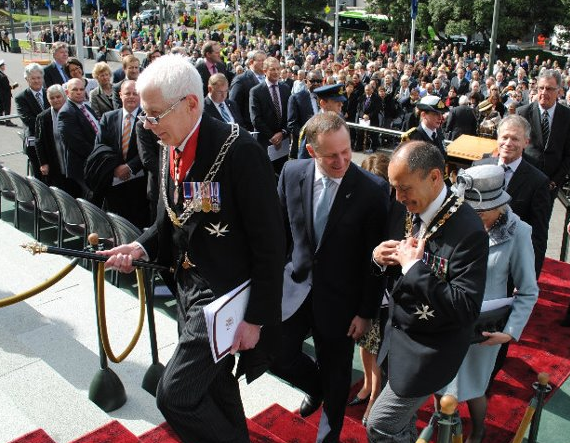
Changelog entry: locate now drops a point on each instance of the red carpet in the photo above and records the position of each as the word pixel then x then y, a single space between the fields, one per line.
pixel 543 348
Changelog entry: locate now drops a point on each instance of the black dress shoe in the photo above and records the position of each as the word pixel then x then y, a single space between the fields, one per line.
pixel 358 401
pixel 309 405
pixel 9 123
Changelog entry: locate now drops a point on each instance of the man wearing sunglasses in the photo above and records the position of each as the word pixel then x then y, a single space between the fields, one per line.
pixel 215 237
pixel 301 107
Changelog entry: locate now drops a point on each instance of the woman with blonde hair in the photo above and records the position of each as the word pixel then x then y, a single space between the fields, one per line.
pixel 101 98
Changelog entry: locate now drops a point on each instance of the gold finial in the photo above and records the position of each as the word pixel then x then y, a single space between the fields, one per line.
pixel 34 247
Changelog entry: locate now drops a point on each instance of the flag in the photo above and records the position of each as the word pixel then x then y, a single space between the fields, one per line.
pixel 124 4
pixel 90 2
pixel 48 4
pixel 414 9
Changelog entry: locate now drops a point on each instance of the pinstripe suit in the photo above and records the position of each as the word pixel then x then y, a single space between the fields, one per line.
pixel 198 398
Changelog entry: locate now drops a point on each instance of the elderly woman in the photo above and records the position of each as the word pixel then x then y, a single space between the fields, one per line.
pixel 49 146
pixel 510 255
pixel 74 69
pixel 101 98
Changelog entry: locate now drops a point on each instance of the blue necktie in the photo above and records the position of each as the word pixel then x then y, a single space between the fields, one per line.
pixel 224 113
pixel 322 208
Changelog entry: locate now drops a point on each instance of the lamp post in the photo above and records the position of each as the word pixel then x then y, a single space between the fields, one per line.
pixel 14 46
pixel 66 3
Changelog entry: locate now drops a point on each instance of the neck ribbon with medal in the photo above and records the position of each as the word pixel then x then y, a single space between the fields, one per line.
pixel 437 264
pixel 198 196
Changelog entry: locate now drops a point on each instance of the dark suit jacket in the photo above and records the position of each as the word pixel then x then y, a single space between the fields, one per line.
pixel 461 120
pixel 211 109
pixel 299 111
pixel 46 149
pixel 461 86
pixel 420 134
pixel 239 92
pixel 253 246
pixel 28 109
pixel 205 73
pixel 149 149
pixel 553 158
pixel 262 112
pixel 417 347
pixel 530 195
pixel 341 283
pixel 78 138
pixel 5 93
pixel 117 102
pixel 52 76
pixel 372 108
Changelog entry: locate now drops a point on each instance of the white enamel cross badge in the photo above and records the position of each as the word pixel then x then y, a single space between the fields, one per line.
pixel 424 313
pixel 217 229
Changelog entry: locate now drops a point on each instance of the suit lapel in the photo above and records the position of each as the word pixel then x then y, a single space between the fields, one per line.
pixel 33 101
pixel 518 178
pixel 536 123
pixel 306 184
pixel 207 149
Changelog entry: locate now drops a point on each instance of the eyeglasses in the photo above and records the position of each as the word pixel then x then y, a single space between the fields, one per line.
pixel 156 120
pixel 547 88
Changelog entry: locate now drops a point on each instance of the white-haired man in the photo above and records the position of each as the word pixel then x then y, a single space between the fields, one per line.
pixel 218 224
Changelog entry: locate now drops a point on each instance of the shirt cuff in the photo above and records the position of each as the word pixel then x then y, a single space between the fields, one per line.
pixel 406 268
pixel 145 257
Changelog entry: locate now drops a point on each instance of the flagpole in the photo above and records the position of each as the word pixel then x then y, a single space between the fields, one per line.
pixel 129 25
pixel 414 14
pixel 48 4
pixel 101 42
pixel 31 31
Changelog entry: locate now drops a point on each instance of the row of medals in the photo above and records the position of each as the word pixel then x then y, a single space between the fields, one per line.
pixel 202 196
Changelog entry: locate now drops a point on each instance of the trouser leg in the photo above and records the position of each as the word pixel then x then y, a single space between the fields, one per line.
pixel 393 418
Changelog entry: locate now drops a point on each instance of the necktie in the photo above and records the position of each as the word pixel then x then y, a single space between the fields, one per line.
pixel 224 113
pixel 126 136
pixel 507 169
pixel 275 99
pixel 367 102
pixel 89 117
pixel 322 209
pixel 416 225
pixel 434 137
pixel 40 99
pixel 545 126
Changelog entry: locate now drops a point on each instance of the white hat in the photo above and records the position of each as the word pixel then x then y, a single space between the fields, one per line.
pixel 482 187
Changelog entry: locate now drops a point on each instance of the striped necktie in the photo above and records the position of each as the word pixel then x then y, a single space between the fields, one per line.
pixel 126 136
pixel 39 99
pixel 275 99
pixel 545 127
pixel 224 113
pixel 89 117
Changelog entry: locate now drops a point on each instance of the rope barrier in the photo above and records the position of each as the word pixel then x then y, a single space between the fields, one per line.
pixel 102 315
pixel 8 301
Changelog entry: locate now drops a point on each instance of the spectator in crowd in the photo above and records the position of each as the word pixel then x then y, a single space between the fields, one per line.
pixel 211 63
pixel 29 103
pixel 49 148
pixel 301 107
pixel 101 54
pixel 461 120
pixel 217 104
pixel 54 73
pixel 434 307
pixel 368 110
pixel 131 67
pixel 78 126
pixel 243 240
pixel 549 146
pixel 242 84
pixel 74 69
pixel 452 99
pixel 337 311
pixel 5 94
pixel 119 73
pixel 268 111
pixel 101 98
pixel 511 258
pixel 126 194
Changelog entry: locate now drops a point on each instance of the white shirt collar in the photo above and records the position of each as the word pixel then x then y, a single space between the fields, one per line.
pixel 513 165
pixel 319 175
pixel 427 130
pixel 133 114
pixel 549 110
pixel 183 144
pixel 269 84
pixel 433 208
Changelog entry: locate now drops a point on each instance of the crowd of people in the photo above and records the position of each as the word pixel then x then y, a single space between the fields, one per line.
pixel 239 159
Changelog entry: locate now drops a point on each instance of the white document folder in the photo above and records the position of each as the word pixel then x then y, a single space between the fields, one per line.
pixel 223 316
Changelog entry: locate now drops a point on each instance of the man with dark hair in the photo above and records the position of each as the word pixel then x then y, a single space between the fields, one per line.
pixel 301 107
pixel 549 146
pixel 431 109
pixel 210 63
pixel 335 212
pixel 437 299
pixel 242 84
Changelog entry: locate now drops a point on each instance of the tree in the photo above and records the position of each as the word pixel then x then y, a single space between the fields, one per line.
pixel 398 12
pixel 295 10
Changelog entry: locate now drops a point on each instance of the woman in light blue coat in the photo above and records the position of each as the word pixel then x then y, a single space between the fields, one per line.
pixel 510 253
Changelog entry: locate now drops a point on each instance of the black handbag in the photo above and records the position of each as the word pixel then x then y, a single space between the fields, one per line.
pixel 490 321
